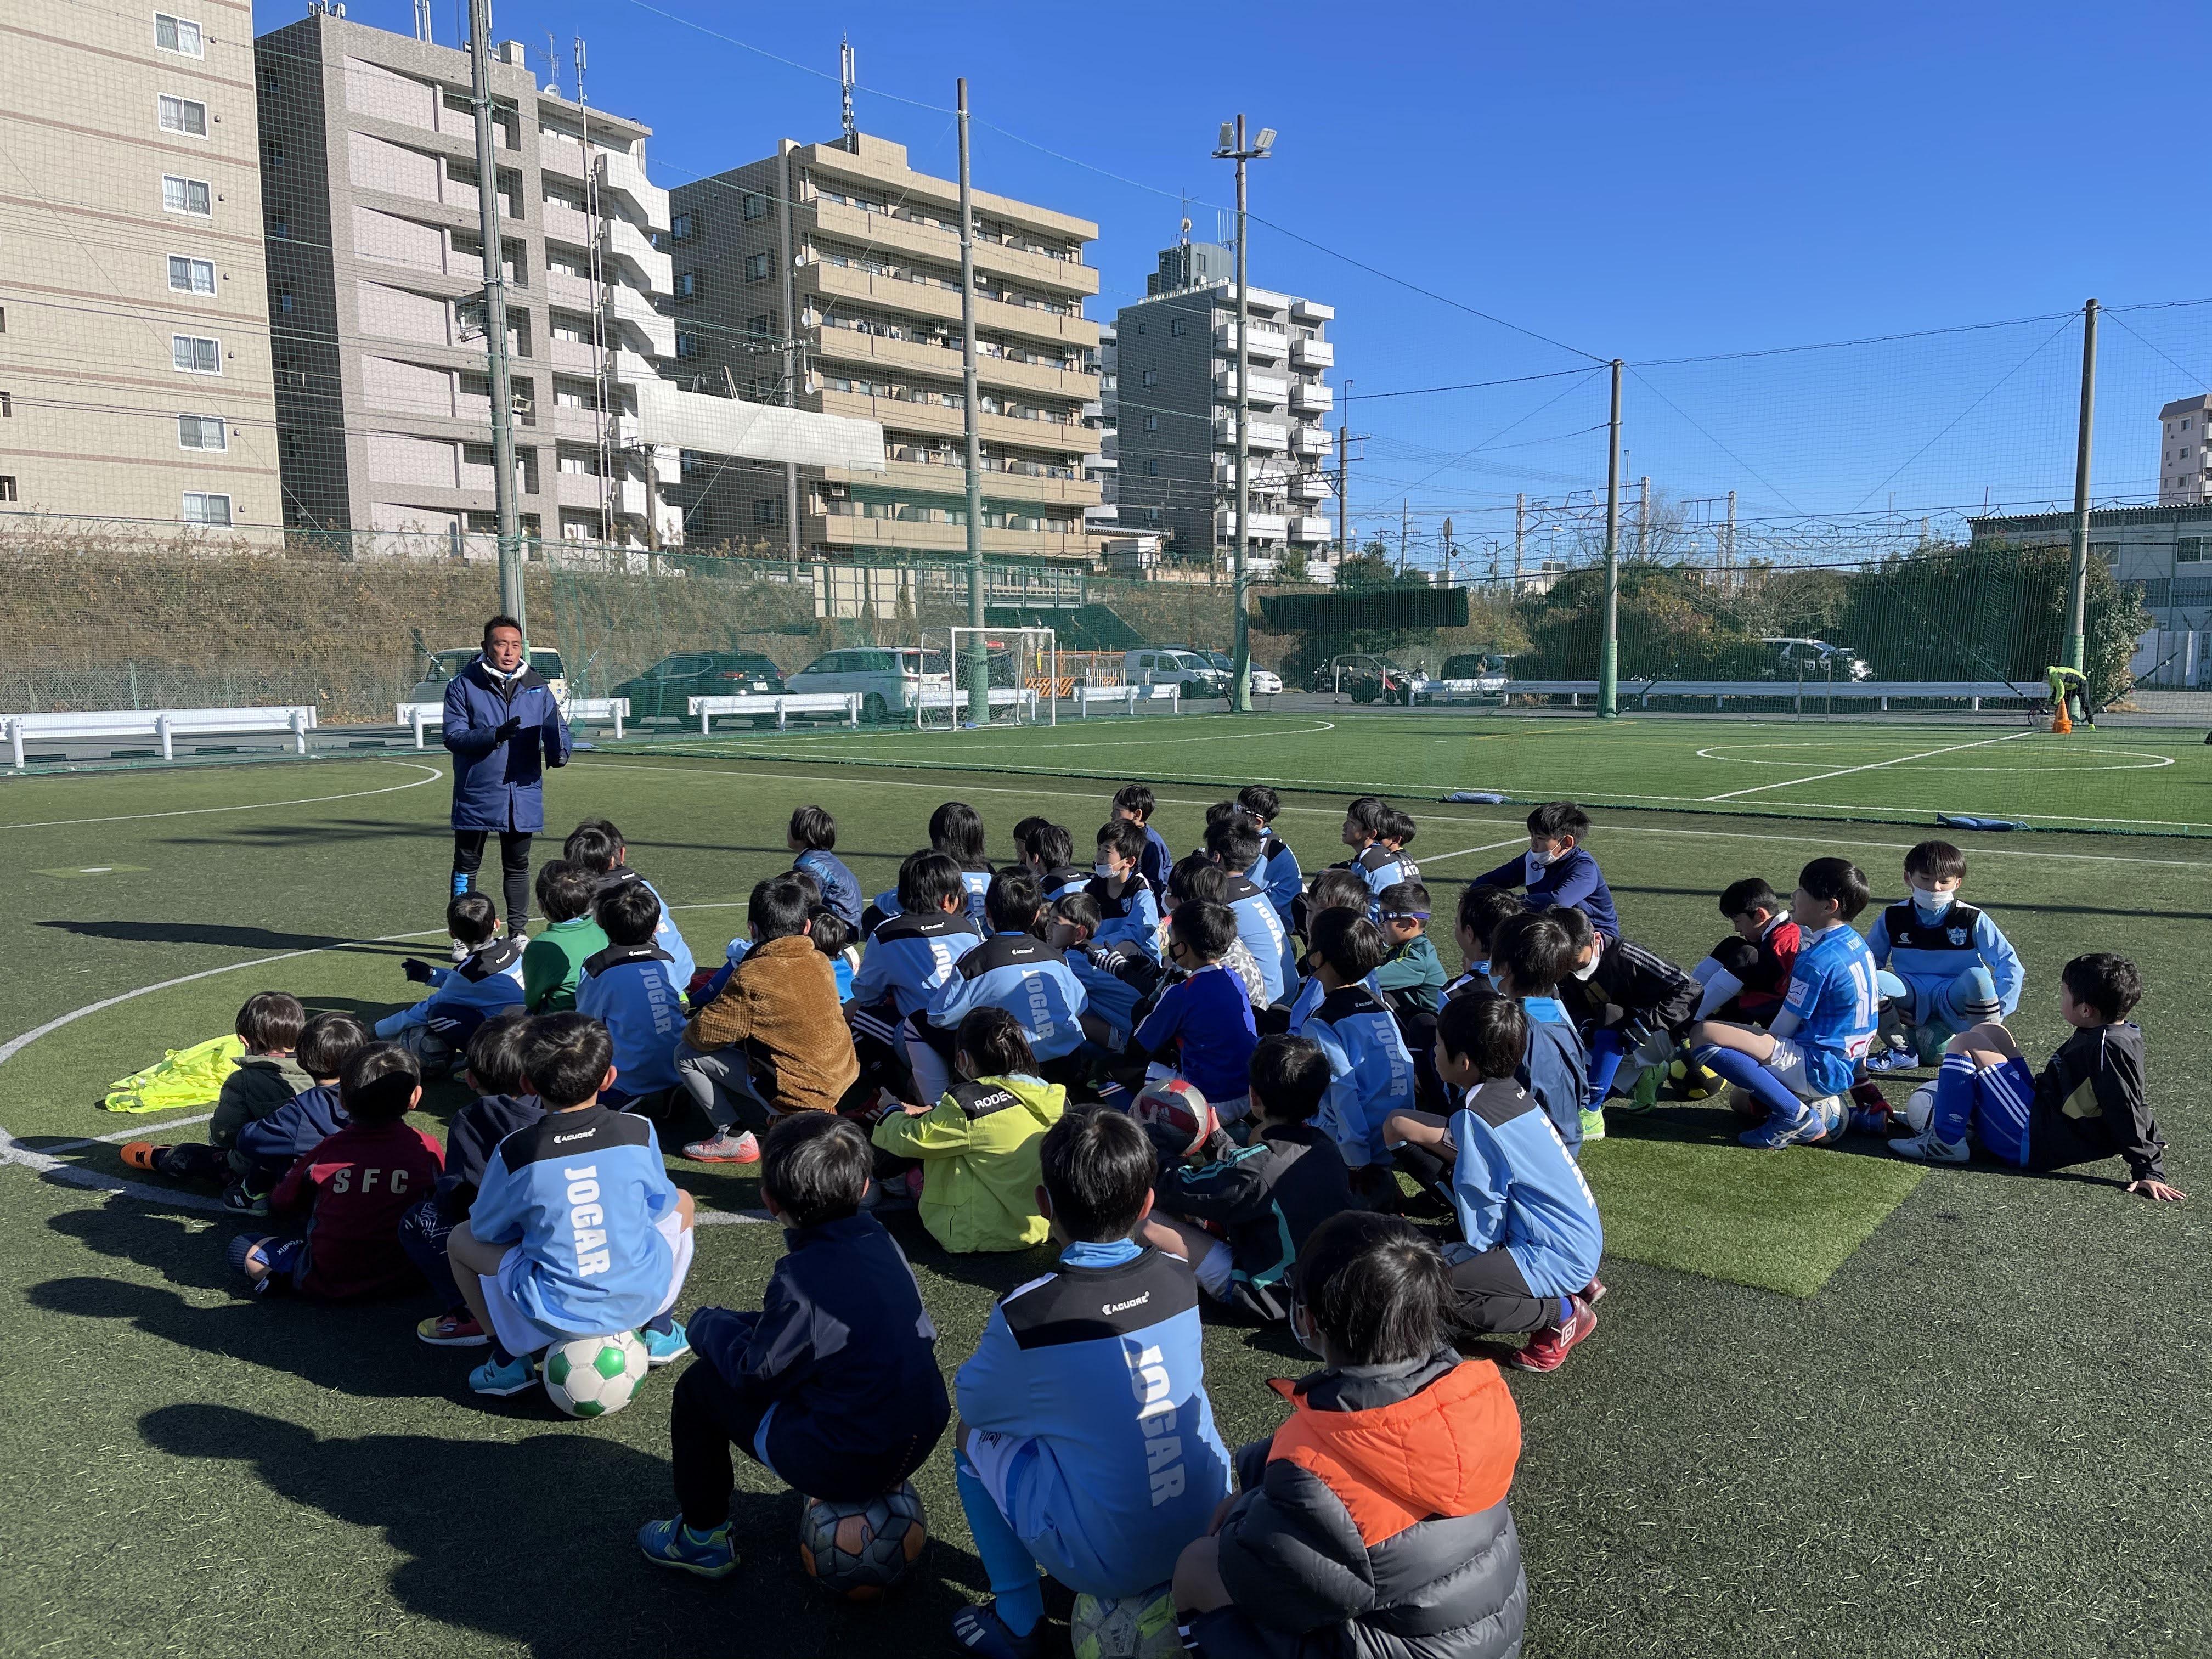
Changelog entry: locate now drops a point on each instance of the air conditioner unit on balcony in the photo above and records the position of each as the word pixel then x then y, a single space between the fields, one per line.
pixel 837 492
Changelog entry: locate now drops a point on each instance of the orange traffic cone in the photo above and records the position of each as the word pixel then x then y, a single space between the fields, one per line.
pixel 2060 725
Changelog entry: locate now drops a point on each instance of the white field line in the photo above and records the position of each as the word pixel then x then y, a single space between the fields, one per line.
pixel 1871 766
pixel 1491 847
pixel 430 775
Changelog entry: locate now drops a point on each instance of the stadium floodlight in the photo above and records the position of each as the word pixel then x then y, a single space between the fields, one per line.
pixel 1228 135
pixel 1267 140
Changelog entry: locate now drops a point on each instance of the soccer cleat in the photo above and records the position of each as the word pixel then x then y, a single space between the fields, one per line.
pixel 141 1155
pixel 1594 1292
pixel 725 1148
pixel 672 1543
pixel 1891 1060
pixel 665 1347
pixel 239 1201
pixel 1929 1148
pixel 1778 1132
pixel 980 1631
pixel 1592 1124
pixel 457 1329
pixel 1548 1349
pixel 1647 1091
pixel 515 1377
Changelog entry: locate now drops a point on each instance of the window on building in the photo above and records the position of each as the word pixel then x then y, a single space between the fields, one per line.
pixel 187 196
pixel 185 115
pixel 6 405
pixel 1151 423
pixel 272 154
pixel 687 343
pixel 2188 550
pixel 191 276
pixel 283 296
pixel 687 284
pixel 1177 326
pixel 195 355
pixel 761 325
pixel 679 228
pixel 768 510
pixel 6 486
pixel 177 34
pixel 206 509
pixel 757 267
pixel 1140 328
pixel 202 431
pixel 754 205
pixel 1151 466
pixel 1151 377
pixel 280 227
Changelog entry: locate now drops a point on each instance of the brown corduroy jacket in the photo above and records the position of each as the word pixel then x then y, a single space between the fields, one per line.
pixel 781 1005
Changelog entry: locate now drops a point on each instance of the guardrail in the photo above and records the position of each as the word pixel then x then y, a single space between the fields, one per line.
pixel 1001 696
pixel 1127 697
pixel 1971 692
pixel 782 705
pixel 421 717
pixel 164 724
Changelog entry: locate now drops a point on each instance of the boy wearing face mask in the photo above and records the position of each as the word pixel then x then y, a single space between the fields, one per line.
pixel 1947 966
pixel 1556 870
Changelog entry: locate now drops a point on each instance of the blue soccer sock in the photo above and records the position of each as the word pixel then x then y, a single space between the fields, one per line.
pixel 1010 1568
pixel 1955 1093
pixel 1740 1069
pixel 1608 1049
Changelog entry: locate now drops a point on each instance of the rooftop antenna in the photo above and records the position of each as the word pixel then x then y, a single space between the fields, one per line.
pixel 422 22
pixel 1184 239
pixel 845 77
pixel 552 64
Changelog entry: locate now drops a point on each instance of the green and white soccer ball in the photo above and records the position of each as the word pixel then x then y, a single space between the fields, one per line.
pixel 592 1376
pixel 1141 1626
pixel 1921 1107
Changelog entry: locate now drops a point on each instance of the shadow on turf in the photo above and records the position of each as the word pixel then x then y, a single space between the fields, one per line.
pixel 237 938
pixel 532 1542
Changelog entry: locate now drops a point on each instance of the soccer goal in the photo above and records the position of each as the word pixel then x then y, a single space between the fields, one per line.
pixel 1017 669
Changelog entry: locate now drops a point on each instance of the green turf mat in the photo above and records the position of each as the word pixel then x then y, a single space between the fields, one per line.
pixel 1778 1221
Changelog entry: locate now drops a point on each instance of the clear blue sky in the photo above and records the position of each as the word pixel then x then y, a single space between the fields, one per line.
pixel 1650 182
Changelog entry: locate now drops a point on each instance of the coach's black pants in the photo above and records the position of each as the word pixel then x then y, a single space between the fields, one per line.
pixel 514 865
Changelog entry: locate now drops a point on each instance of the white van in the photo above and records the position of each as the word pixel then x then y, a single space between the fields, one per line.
pixel 1153 664
pixel 890 681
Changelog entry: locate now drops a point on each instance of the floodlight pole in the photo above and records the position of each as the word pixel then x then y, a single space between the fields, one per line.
pixel 2077 588
pixel 1608 662
pixel 495 275
pixel 1241 652
pixel 979 650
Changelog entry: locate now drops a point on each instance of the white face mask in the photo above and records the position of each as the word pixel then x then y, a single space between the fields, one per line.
pixel 1932 907
pixel 1302 1329
pixel 1587 968
pixel 1539 862
pixel 1104 869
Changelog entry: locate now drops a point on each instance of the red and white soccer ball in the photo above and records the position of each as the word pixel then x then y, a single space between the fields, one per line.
pixel 1180 1109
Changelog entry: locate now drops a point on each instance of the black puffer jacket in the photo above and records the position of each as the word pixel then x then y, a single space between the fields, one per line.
pixel 1374 1525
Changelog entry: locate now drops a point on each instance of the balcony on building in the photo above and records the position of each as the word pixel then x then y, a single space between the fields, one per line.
pixel 1269 341
pixel 1308 440
pixel 1263 524
pixel 1271 436
pixel 1311 397
pixel 1313 354
pixel 1312 311
pixel 1306 527
pixel 1311 487
pixel 1267 390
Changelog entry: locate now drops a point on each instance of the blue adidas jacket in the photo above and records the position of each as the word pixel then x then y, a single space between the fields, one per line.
pixel 631 990
pixel 1371 1073
pixel 909 958
pixel 1130 919
pixel 1278 875
pixel 1026 977
pixel 1098 1369
pixel 500 785
pixel 463 997
pixel 1929 954
pixel 1264 935
pixel 1556 1069
pixel 296 1127
pixel 667 935
pixel 1515 1183
pixel 841 889
pixel 581 1192
pixel 1207 1021
pixel 843 1352
pixel 1574 882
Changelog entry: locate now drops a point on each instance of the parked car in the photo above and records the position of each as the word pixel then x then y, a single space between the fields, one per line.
pixel 1265 682
pixel 890 681
pixel 1465 677
pixel 1817 659
pixel 443 665
pixel 1158 664
pixel 1365 678
pixel 667 688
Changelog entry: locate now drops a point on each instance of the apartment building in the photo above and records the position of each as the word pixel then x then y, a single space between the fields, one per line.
pixel 827 277
pixel 2184 455
pixel 375 266
pixel 1103 468
pixel 134 324
pixel 1177 432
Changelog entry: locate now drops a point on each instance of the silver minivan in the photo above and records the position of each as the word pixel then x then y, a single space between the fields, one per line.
pixel 1154 665
pixel 890 680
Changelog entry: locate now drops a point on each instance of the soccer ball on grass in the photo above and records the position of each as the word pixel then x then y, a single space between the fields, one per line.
pixel 858 1551
pixel 592 1376
pixel 1139 1627
pixel 1921 1107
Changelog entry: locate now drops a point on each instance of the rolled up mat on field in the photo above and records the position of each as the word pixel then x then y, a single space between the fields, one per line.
pixel 1962 821
pixel 1476 798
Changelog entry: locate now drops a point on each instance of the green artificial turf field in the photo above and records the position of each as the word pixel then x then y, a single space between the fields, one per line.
pixel 1837 1405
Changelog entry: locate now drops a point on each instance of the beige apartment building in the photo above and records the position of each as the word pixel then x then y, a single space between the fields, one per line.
pixel 134 315
pixel 828 276
pixel 375 260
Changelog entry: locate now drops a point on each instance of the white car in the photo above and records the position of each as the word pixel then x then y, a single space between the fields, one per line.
pixel 890 681
pixel 444 665
pixel 1267 682
pixel 1158 664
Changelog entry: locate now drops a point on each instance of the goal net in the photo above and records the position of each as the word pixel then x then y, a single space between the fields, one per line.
pixel 1015 671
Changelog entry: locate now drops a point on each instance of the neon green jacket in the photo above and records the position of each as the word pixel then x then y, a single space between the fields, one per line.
pixel 981 1163
pixel 181 1079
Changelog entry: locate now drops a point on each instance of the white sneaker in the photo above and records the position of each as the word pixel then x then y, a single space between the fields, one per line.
pixel 725 1148
pixel 1928 1148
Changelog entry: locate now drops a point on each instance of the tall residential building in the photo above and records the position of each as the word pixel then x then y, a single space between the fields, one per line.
pixel 828 277
pixel 1178 413
pixel 134 312
pixel 1104 466
pixel 2185 460
pixel 368 153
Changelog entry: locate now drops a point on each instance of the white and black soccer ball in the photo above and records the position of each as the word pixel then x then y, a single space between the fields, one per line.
pixel 592 1376
pixel 1180 1110
pixel 1920 1110
pixel 1139 1627
pixel 859 1551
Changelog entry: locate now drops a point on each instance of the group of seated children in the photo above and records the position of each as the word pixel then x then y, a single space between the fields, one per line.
pixel 977 1065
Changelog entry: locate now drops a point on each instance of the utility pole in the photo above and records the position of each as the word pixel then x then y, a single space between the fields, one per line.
pixel 495 273
pixel 1643 513
pixel 1728 560
pixel 979 661
pixel 1520 535
pixel 1344 478
pixel 1404 532
pixel 1608 661
pixel 1447 552
pixel 2077 600
pixel 1233 149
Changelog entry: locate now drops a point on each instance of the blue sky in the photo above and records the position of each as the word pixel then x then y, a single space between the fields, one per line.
pixel 1657 183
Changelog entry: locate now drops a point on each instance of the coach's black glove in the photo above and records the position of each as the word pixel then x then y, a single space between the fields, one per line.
pixel 416 970
pixel 508 727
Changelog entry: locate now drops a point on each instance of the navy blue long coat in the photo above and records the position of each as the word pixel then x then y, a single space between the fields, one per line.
pixel 501 785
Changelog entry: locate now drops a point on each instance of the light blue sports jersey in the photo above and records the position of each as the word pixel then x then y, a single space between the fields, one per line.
pixel 1371 1073
pixel 1836 1003
pixel 1263 933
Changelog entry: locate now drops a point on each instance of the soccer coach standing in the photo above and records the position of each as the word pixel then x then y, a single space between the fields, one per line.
pixel 504 729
